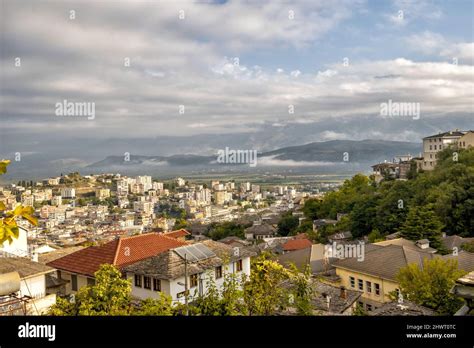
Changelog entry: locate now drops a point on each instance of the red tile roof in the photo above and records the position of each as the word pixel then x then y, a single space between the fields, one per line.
pixel 297 244
pixel 177 234
pixel 120 252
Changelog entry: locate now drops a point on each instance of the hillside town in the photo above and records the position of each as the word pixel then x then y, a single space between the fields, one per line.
pixel 169 237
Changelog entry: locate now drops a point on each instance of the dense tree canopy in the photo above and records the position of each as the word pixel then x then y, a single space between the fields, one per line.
pixel 438 200
pixel 430 285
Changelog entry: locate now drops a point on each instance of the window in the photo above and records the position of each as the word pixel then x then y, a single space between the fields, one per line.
pixel 377 289
pixel 74 282
pixel 194 280
pixel 435 147
pixel 147 282
pixel 352 280
pixel 368 307
pixel 431 147
pixel 59 274
pixel 368 286
pixel 156 284
pixel 90 281
pixel 218 272
pixel 238 266
pixel 361 284
pixel 138 280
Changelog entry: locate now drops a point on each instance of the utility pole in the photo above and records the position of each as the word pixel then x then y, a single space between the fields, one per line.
pixel 186 283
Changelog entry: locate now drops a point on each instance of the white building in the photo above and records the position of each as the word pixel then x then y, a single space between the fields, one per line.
pixel 121 186
pixel 206 261
pixel 18 247
pixel 180 182
pixel 68 192
pixel 28 278
pixel 145 181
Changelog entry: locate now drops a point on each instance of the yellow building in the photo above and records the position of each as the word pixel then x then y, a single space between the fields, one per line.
pixel 375 275
pixel 466 141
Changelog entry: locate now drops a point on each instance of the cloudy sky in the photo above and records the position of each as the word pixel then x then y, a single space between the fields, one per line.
pixel 231 67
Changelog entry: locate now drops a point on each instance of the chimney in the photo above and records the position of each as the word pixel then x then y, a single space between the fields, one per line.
pixel 34 257
pixel 423 244
pixel 343 293
pixel 328 300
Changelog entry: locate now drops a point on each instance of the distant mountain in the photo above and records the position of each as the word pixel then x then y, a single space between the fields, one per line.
pixel 314 154
pixel 333 151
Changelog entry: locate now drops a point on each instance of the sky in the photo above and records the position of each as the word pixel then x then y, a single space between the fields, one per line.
pixel 182 68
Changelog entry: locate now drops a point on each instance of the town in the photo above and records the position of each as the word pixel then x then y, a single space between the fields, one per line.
pixel 185 242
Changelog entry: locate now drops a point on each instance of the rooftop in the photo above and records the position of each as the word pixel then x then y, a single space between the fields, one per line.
pixel 170 265
pixel 454 133
pixel 406 308
pixel 25 267
pixel 119 252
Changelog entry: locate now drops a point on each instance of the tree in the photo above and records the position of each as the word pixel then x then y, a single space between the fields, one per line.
pixel 226 302
pixel 109 296
pixel 263 293
pixel 375 236
pixel 301 290
pixel 217 231
pixel 422 223
pixel 9 229
pixel 287 224
pixel 161 306
pixel 430 286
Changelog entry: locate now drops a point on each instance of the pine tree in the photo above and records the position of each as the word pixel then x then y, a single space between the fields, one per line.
pixel 422 222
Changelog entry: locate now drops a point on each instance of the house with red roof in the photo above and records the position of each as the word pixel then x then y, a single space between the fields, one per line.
pixel 178 234
pixel 78 268
pixel 296 244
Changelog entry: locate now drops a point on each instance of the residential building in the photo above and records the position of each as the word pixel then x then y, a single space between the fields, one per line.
pixel 200 262
pixel 146 181
pixel 466 141
pixel 26 280
pixel 260 231
pixel 78 268
pixel 375 275
pixel 68 192
pixel 180 182
pixel 121 186
pixel 436 143
pixel 102 193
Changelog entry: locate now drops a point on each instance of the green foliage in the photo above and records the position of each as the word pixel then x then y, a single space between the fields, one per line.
pixel 109 296
pixel 263 293
pixel 359 311
pixel 375 236
pixel 227 302
pixel 430 286
pixel 441 197
pixel 422 222
pixel 287 224
pixel 217 231
pixel 301 290
pixel 161 306
pixel 468 247
pixel 8 227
